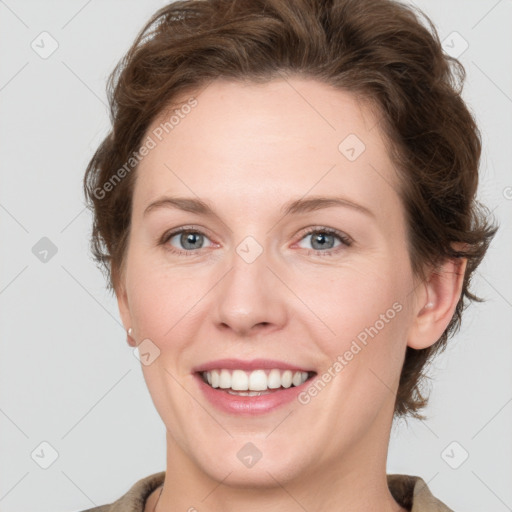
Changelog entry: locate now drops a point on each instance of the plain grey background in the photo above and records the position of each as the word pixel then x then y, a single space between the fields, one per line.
pixel 77 423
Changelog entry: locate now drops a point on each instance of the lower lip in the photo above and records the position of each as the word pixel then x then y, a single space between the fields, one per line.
pixel 249 405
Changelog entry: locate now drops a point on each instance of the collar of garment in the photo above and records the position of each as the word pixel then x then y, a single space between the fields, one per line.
pixel 411 492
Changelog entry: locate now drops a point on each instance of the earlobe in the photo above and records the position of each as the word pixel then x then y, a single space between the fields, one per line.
pixel 122 303
pixel 124 311
pixel 442 293
pixel 129 338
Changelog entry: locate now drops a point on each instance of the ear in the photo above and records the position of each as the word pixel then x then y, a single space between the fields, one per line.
pixel 124 307
pixel 437 302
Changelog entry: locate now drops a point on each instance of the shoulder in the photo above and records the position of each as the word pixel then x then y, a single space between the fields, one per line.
pixel 412 493
pixel 135 499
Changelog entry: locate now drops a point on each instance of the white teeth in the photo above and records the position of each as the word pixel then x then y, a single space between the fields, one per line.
pixel 239 381
pixel 257 380
pixel 297 378
pixel 225 379
pixel 286 379
pixel 248 393
pixel 274 379
pixel 214 379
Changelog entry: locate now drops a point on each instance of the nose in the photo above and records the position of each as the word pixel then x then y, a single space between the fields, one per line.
pixel 250 297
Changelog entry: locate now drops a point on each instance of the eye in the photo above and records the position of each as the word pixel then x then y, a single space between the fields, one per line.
pixel 190 240
pixel 187 241
pixel 323 240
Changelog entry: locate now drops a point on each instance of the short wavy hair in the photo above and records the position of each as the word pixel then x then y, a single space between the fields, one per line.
pixel 379 50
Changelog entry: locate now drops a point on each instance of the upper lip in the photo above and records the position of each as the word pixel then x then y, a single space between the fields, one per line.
pixel 253 364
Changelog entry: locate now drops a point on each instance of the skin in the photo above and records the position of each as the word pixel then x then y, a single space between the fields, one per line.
pixel 247 149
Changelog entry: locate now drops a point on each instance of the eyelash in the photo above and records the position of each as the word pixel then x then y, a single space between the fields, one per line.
pixel 344 239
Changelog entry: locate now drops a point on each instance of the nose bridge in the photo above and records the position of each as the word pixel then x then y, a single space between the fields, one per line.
pixel 249 294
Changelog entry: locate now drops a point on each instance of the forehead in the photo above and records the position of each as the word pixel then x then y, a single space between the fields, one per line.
pixel 265 141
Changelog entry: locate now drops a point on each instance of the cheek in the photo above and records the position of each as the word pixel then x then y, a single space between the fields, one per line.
pixel 352 297
pixel 161 298
pixel 360 317
pixel 369 317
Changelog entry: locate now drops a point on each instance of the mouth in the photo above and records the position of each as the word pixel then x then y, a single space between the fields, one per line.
pixel 257 382
pixel 252 387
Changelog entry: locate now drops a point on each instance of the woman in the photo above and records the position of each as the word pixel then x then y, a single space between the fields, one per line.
pixel 285 208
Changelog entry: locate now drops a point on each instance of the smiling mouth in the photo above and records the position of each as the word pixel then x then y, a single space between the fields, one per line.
pixel 254 383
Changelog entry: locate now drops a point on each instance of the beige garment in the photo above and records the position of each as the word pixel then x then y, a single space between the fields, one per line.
pixel 411 492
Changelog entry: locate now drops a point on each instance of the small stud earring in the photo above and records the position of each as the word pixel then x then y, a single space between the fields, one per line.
pixel 429 305
pixel 129 338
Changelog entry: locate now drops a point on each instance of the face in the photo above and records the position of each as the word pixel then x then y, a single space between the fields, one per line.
pixel 270 277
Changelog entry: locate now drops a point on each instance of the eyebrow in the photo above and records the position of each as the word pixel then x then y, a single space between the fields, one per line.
pixel 296 206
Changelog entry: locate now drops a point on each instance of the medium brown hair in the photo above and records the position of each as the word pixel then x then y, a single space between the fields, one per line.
pixel 377 49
